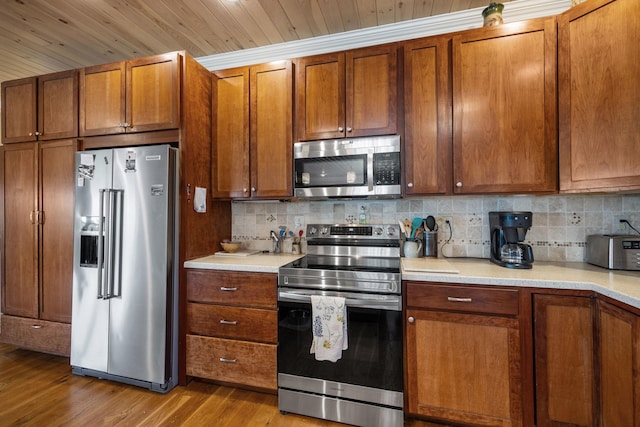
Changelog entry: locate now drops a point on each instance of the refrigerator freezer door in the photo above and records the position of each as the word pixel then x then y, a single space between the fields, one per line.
pixel 138 337
pixel 90 313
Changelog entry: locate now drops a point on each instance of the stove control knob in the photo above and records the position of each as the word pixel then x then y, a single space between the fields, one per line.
pixel 324 231
pixel 391 231
pixel 377 231
pixel 312 231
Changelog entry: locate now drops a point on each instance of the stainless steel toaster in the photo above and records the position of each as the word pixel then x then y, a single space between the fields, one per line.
pixel 613 251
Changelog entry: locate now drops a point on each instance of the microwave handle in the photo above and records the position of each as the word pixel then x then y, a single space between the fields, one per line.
pixel 370 169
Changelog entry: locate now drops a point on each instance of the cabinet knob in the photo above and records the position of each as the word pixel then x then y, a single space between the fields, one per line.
pixel 340 129
pixel 459 184
pixel 30 133
pixel 126 125
pixel 38 133
pixel 349 129
pixel 410 184
pixel 411 319
pixel 119 125
pixel 253 189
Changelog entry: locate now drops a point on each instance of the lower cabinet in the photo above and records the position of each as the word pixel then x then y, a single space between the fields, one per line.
pixel 619 371
pixel 463 354
pixel 564 360
pixel 232 327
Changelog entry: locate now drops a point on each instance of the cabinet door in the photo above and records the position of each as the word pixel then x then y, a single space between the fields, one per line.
pixel 20 284
pixel 57 164
pixel 231 134
pixel 58 105
pixel 564 360
pixel 464 368
pixel 599 96
pixel 504 109
pixel 271 129
pixel 153 93
pixel 102 100
pixel 19 113
pixel 619 366
pixel 371 91
pixel 320 97
pixel 427 115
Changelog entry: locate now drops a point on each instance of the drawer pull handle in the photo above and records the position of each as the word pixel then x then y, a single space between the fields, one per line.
pixel 225 360
pixel 36 326
pixel 224 288
pixel 228 322
pixel 456 299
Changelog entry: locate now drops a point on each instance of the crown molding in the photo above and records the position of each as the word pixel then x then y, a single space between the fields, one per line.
pixel 514 11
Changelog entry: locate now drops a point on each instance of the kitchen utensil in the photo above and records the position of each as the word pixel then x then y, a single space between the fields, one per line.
pixel 230 247
pixel 430 223
pixel 402 229
pixel 407 227
pixel 417 222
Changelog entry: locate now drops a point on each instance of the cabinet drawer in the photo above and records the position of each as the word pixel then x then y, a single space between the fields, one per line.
pixel 226 287
pixel 251 324
pixel 470 299
pixel 230 361
pixel 35 334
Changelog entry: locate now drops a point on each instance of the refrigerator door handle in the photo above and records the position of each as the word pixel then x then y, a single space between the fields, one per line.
pixel 101 244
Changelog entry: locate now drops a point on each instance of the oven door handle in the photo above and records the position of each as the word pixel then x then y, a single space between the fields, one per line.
pixel 382 302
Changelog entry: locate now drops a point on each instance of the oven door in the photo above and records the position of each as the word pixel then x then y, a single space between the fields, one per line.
pixel 369 370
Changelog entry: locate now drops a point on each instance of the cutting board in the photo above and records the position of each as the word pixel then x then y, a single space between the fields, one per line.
pixel 428 265
pixel 241 253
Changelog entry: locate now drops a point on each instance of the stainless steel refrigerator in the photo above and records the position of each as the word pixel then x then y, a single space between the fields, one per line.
pixel 125 294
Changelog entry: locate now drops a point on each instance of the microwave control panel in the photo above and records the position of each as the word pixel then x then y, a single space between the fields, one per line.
pixel 386 168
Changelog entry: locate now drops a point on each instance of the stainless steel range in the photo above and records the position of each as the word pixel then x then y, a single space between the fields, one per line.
pixel 360 263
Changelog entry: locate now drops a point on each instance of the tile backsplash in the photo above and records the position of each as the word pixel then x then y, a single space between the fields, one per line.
pixel 560 222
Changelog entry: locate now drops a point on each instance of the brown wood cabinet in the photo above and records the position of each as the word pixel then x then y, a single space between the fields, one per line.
pixel 232 327
pixel 253 131
pixel 427 116
pixel 37 238
pixel 619 360
pixel 40 108
pixel 347 94
pixel 565 360
pixel 139 95
pixel 463 354
pixel 504 109
pixel 599 96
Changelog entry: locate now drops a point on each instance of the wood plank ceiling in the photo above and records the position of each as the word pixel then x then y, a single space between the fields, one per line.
pixel 43 36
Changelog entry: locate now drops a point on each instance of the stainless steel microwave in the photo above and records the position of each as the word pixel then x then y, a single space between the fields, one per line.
pixel 367 167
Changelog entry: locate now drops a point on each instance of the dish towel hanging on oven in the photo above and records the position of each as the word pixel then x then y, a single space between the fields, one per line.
pixel 329 327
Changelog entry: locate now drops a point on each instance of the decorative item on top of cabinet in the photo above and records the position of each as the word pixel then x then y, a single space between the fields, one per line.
pixel 599 96
pixel 504 109
pixel 463 354
pixel 40 108
pixel 427 116
pixel 347 94
pixel 232 327
pixel 38 183
pixel 138 95
pixel 253 131
pixel 564 360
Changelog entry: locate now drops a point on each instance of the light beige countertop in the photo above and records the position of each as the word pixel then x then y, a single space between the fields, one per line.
pixel 257 263
pixel 623 286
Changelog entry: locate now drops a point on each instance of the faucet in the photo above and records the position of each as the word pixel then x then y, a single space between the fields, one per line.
pixel 276 242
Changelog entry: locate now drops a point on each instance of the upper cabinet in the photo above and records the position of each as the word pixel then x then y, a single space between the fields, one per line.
pixel 131 96
pixel 253 131
pixel 504 109
pixel 599 96
pixel 40 108
pixel 427 116
pixel 347 94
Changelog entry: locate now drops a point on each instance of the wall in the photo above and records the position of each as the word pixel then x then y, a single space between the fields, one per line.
pixel 560 222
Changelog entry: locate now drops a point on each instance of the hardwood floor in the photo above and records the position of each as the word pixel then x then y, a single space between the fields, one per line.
pixel 38 389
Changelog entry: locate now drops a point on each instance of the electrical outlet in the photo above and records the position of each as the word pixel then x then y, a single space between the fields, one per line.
pixel 442 222
pixel 299 221
pixel 619 226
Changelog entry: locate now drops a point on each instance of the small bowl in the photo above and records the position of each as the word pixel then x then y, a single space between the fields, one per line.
pixel 230 247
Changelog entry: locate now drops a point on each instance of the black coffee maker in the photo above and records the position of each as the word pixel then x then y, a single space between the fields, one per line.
pixel 508 230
